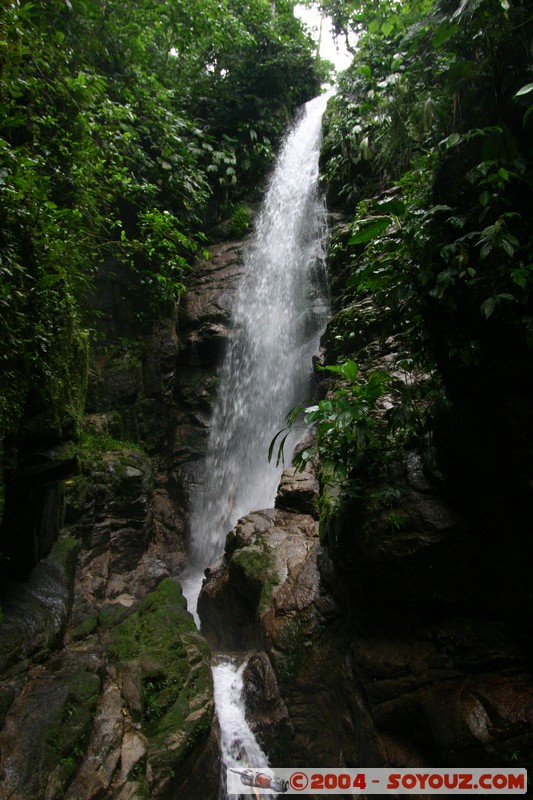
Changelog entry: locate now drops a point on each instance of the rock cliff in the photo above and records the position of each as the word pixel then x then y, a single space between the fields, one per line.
pixel 383 661
pixel 106 686
pixel 386 638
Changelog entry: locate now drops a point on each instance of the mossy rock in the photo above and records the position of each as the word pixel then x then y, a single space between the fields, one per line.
pixel 65 553
pixel 7 695
pixel 116 377
pixel 55 714
pixel 69 726
pixel 2 489
pixel 295 645
pixel 84 628
pixel 176 685
pixel 116 478
pixel 111 614
pixel 253 573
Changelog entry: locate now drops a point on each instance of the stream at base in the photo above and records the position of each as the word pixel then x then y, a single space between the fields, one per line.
pixel 280 311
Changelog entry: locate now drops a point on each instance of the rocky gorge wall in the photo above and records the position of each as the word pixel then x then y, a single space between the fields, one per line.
pixel 384 636
pixel 383 662
pixel 105 686
pixel 368 645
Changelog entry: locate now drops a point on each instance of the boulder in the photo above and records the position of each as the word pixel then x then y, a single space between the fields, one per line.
pixel 264 555
pixel 299 490
pixel 127 713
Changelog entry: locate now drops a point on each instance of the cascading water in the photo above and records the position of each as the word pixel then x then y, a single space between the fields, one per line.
pixel 238 744
pixel 279 313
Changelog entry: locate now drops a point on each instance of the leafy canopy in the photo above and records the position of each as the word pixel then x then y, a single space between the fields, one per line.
pixel 126 128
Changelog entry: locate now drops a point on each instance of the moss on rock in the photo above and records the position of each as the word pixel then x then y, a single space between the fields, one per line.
pixel 253 573
pixel 65 554
pixel 176 684
pixel 67 732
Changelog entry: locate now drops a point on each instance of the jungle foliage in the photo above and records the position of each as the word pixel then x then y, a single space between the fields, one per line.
pixel 126 128
pixel 428 148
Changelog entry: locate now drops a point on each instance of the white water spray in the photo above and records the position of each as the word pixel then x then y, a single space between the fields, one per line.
pixel 237 742
pixel 279 314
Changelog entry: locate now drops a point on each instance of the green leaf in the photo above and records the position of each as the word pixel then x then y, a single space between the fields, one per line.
pixel 527 115
pixel 505 296
pixel 488 307
pixel 307 454
pixel 443 33
pixel 521 276
pixel 508 247
pixel 452 140
pixel 345 418
pixel 350 370
pixel 485 250
pixel 503 173
pixel 393 206
pixel 524 90
pixel 387 27
pixel 280 455
pixel 365 71
pixel 369 229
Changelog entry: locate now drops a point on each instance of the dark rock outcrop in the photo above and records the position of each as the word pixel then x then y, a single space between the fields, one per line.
pixel 36 611
pixel 206 310
pixel 104 676
pixel 106 681
pixel 372 645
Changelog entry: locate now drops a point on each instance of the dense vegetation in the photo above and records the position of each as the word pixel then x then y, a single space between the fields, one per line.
pixel 428 149
pixel 126 130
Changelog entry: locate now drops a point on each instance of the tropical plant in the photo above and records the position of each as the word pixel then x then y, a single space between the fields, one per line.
pixel 125 128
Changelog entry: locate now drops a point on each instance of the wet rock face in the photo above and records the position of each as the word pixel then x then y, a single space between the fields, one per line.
pixel 35 612
pixel 205 317
pixel 379 660
pixel 104 676
pixel 124 708
pixel 267 711
pixel 158 704
pixel 110 510
pixel 33 511
pixel 298 490
pixel 404 556
pixel 265 554
pixel 456 692
pixel 442 678
pixel 267 594
pixel 48 724
pixel 106 682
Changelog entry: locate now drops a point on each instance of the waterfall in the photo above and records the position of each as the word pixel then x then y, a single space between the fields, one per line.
pixel 279 313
